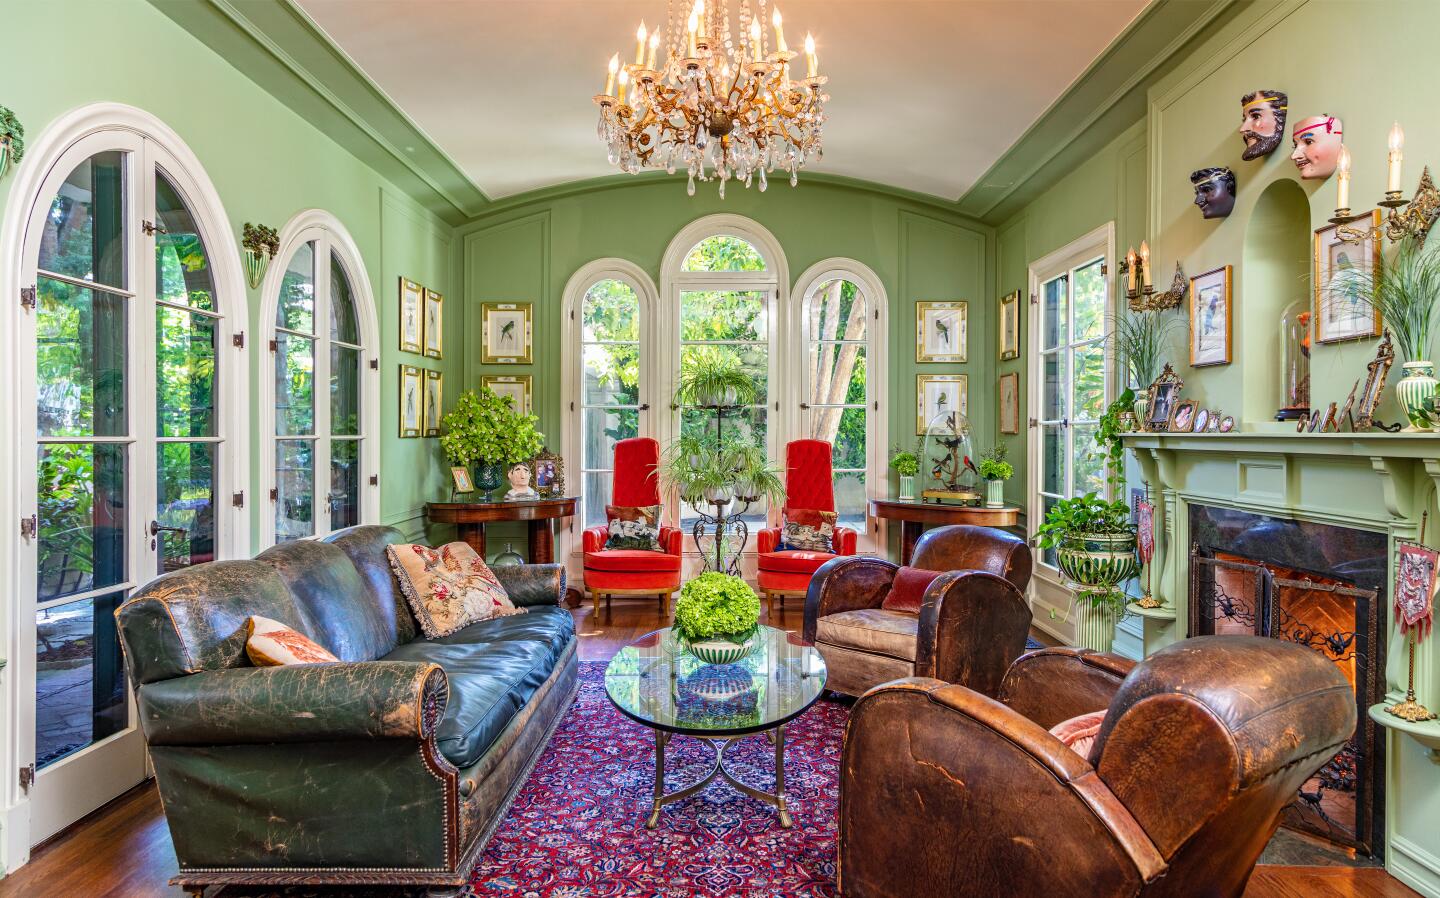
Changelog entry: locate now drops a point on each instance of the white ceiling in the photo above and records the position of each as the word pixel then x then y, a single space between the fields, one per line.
pixel 926 94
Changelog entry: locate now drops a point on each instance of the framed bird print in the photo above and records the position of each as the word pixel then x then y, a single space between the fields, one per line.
pixel 505 333
pixel 516 388
pixel 430 420
pixel 434 323
pixel 937 394
pixel 411 300
pixel 940 331
pixel 411 387
pixel 1010 326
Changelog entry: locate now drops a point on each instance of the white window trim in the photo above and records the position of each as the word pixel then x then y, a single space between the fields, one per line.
pixel 99 127
pixel 571 433
pixel 1047 590
pixel 319 225
pixel 874 539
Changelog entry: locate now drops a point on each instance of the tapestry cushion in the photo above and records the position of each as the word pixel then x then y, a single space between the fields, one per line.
pixel 634 527
pixel 1079 732
pixel 808 530
pixel 448 588
pixel 270 643
pixel 907 590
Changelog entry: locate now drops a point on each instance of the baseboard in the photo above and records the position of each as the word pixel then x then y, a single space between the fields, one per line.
pixel 1413 865
pixel 14 837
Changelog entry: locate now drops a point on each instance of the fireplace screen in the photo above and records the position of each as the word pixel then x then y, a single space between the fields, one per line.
pixel 1234 594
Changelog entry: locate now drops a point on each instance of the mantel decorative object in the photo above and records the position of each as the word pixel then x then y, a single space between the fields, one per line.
pixel 1415 570
pixel 1418 215
pixel 722 101
pixel 12 140
pixel 260 244
pixel 1140 287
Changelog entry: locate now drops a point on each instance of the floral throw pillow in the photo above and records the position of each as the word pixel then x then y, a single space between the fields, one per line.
pixel 634 527
pixel 448 588
pixel 270 643
pixel 809 530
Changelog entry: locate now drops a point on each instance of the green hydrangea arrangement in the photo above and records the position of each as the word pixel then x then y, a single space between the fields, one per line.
pixel 993 465
pixel 484 427
pixel 716 606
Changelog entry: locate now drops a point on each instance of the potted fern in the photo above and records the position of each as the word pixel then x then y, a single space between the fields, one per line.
pixel 485 430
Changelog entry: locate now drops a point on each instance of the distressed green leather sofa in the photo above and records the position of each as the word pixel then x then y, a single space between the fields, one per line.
pixel 391 767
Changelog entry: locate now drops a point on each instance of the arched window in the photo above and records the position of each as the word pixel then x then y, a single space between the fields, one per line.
pixel 322 465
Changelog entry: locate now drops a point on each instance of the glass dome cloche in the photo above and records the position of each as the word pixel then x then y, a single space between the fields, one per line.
pixel 947 465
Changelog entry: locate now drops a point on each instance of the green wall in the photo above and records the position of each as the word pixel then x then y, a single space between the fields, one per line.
pixel 267 164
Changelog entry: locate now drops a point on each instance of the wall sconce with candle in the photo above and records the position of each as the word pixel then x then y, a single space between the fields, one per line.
pixel 1406 218
pixel 1140 287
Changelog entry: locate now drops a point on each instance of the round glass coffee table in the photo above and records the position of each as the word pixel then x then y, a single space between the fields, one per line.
pixel 654 681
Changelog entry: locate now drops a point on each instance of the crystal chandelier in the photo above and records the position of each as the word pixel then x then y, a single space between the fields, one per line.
pixel 719 108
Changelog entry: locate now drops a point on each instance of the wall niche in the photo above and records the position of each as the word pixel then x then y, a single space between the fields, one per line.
pixel 1274 274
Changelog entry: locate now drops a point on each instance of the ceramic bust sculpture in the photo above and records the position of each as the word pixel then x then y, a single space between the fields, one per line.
pixel 1214 191
pixel 1317 140
pixel 1262 122
pixel 520 488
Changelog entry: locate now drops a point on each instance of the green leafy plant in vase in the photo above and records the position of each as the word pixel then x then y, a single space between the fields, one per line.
pixel 716 617
pixel 484 430
pixel 1095 549
pixel 12 140
pixel 1140 340
pixel 907 465
pixel 995 470
pixel 260 243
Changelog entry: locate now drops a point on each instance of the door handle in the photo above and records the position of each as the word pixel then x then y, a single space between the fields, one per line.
pixel 156 529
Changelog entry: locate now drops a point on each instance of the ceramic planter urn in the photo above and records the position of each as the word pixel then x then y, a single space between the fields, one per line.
pixel 994 494
pixel 1417 395
pixel 907 487
pixel 720 651
pixel 1098 560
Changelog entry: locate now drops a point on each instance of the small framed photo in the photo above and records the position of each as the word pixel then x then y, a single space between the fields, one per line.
pixel 1331 423
pixel 411 300
pixel 505 333
pixel 411 388
pixel 1010 403
pixel 1210 318
pixel 1341 313
pixel 940 331
pixel 1347 412
pixel 434 406
pixel 1164 394
pixel 1010 326
pixel 463 483
pixel 434 332
pixel 938 394
pixel 1317 417
pixel 1202 421
pixel 1214 425
pixel 1227 424
pixel 1182 419
pixel 517 388
pixel 547 473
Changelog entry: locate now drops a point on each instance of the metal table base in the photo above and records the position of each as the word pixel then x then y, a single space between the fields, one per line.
pixel 775 736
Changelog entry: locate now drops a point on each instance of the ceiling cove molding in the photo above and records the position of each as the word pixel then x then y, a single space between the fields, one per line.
pixel 287 55
pixel 1112 86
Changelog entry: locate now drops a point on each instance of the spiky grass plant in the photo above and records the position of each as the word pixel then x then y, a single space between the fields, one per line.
pixel 1403 288
pixel 1141 340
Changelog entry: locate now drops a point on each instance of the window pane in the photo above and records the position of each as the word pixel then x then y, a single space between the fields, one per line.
pixel 837 312
pixel 296 309
pixel 837 373
pixel 723 253
pixel 612 374
pixel 1089 302
pixel 80 690
pixel 1053 390
pixel 182 268
pixel 81 515
pixel 80 342
pixel 344 390
pixel 850 499
pixel 84 233
pixel 1052 459
pixel 344 327
pixel 754 360
pixel 1089 462
pixel 1054 313
pixel 187 501
pixel 1090 382
pixel 844 430
pixel 294 385
pixel 344 483
pixel 184 373
pixel 597 496
pixel 1047 556
pixel 722 315
pixel 747 427
pixel 611 311
pixel 295 489
pixel 603 428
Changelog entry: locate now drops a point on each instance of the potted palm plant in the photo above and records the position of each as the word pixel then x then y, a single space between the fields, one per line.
pixel 995 470
pixel 485 430
pixel 1404 290
pixel 12 140
pixel 716 617
pixel 1094 545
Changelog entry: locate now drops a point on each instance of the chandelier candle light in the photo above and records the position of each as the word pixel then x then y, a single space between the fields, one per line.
pixel 721 107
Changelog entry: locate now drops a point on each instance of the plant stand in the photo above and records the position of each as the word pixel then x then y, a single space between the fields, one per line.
pixel 1095 626
pixel 723 522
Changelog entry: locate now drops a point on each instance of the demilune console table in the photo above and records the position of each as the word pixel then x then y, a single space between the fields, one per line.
pixel 913 515
pixel 470 519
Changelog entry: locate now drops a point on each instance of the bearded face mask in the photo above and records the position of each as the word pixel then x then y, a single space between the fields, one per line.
pixel 1262 122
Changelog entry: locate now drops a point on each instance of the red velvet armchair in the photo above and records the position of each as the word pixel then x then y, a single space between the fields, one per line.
pixel 631 572
pixel 809 484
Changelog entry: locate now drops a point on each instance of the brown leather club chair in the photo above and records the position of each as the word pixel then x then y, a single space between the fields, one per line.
pixel 972 623
pixel 945 792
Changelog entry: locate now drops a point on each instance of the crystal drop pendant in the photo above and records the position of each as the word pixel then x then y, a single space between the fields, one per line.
pixel 764 181
pixel 722 188
pixel 690 188
pixel 794 177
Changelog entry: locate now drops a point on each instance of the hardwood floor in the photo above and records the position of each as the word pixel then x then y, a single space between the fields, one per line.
pixel 124 850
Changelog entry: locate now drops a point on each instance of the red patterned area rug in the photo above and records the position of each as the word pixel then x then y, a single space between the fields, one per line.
pixel 577 827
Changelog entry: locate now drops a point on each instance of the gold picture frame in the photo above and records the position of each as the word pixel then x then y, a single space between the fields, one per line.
pixel 412 298
pixel 1211 299
pixel 934 396
pixel 1010 326
pixel 410 402
pixel 434 403
pixel 433 329
pixel 941 326
pixel 547 474
pixel 1164 394
pixel 461 478
pixel 1332 324
pixel 1183 417
pixel 514 387
pixel 1010 403
pixel 1375 373
pixel 506 333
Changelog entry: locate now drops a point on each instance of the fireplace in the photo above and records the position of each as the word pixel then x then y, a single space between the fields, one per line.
pixel 1322 586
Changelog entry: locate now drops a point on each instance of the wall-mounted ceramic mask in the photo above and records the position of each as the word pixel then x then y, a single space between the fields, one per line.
pixel 1262 122
pixel 1214 191
pixel 1317 140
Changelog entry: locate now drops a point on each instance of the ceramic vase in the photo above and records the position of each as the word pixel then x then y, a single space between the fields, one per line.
pixel 488 477
pixel 1417 394
pixel 255 264
pixel 907 487
pixel 1142 409
pixel 994 494
pixel 4 156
